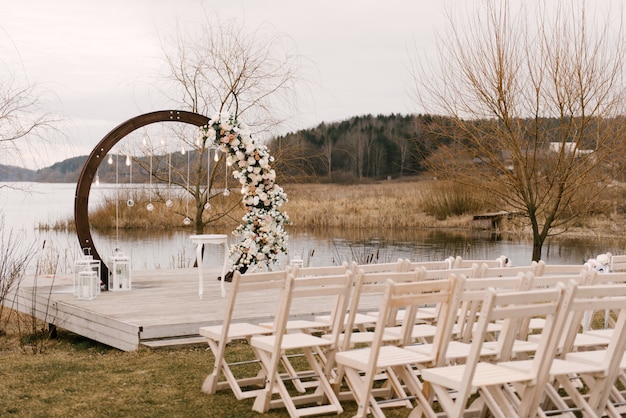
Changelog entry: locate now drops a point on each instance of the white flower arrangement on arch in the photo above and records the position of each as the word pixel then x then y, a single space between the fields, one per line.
pixel 263 226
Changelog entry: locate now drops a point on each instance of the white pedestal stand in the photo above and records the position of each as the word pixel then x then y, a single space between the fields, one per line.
pixel 215 239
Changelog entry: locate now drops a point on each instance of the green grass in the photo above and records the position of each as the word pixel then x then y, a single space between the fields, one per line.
pixel 74 376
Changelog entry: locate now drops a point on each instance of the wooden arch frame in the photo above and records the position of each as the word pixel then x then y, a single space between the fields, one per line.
pixel 81 200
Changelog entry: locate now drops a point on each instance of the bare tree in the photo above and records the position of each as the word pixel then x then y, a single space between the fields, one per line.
pixel 534 99
pixel 221 67
pixel 22 118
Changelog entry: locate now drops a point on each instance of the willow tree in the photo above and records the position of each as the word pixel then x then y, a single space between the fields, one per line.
pixel 533 98
pixel 221 66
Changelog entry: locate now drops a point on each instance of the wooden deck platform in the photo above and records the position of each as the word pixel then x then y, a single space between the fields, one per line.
pixel 163 307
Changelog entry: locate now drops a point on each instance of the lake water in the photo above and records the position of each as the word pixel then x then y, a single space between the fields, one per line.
pixel 35 203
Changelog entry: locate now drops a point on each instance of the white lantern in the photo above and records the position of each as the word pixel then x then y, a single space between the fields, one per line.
pixel 87 263
pixel 88 284
pixel 119 273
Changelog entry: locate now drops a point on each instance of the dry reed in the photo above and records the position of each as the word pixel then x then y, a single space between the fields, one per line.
pixel 387 205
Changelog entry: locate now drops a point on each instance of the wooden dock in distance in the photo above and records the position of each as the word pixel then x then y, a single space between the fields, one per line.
pixel 163 307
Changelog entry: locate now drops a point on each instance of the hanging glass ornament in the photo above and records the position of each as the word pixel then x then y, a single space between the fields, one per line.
pixel 186 221
pixel 169 203
pixel 150 207
pixel 207 206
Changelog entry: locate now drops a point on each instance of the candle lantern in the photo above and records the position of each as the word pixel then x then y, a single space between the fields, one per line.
pixel 86 263
pixel 88 284
pixel 119 272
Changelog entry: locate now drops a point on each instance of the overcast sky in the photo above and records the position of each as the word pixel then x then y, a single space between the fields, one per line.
pixel 98 60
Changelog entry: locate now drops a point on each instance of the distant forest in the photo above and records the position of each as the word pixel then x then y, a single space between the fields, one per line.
pixel 372 147
pixel 359 148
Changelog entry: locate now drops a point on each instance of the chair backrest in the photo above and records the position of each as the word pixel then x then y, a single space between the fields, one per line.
pixel 487 271
pixel 618 263
pixel 551 269
pixel 498 262
pixel 511 308
pixel 429 265
pixel 473 295
pixel 330 290
pixel 551 280
pixel 471 272
pixel 609 278
pixel 597 297
pixel 410 296
pixel 319 271
pixel 270 281
pixel 378 267
pixel 372 286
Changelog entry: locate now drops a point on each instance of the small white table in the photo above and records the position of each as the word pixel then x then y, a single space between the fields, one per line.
pixel 215 239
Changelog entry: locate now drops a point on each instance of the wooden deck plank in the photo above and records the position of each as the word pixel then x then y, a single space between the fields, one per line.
pixel 163 304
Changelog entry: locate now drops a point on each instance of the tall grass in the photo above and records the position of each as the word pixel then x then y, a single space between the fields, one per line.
pixel 15 255
pixel 113 212
pixel 448 199
pixel 387 205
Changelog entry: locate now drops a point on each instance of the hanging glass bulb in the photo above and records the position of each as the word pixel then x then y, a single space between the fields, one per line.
pixel 226 192
pixel 130 202
pixel 150 207
pixel 207 206
pixel 97 180
pixel 186 221
pixel 182 150
pixel 216 158
pixel 110 160
pixel 128 160
pixel 169 203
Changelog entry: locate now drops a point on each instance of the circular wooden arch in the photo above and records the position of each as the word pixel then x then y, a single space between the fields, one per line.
pixel 81 200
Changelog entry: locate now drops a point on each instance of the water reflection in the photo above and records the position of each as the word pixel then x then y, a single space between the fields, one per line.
pixel 173 248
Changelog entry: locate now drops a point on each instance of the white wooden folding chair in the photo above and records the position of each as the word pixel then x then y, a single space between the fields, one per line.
pixel 219 336
pixel 597 369
pixel 468 312
pixel 454 384
pixel 363 366
pixel 369 289
pixel 318 352
pixel 429 314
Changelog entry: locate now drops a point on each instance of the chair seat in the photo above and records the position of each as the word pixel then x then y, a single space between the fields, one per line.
pixel 359 319
pixel 486 374
pixel 235 331
pixel 584 340
pixel 519 346
pixel 592 357
pixel 364 337
pixel 419 332
pixel 290 341
pixel 299 324
pixel 389 356
pixel 558 366
pixel 604 333
pixel 456 350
